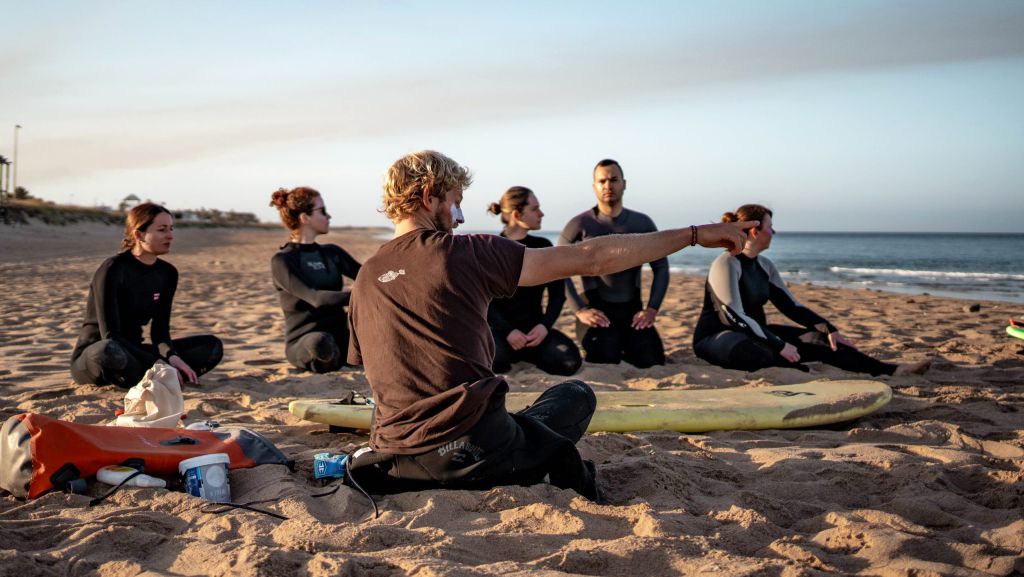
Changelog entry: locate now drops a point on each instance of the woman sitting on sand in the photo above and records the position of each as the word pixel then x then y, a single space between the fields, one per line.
pixel 308 278
pixel 129 290
pixel 732 331
pixel 522 330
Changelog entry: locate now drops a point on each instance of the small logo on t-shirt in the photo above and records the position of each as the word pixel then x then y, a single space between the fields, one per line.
pixel 391 275
pixel 156 297
pixel 316 265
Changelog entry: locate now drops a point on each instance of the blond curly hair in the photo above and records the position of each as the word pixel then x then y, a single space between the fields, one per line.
pixel 426 172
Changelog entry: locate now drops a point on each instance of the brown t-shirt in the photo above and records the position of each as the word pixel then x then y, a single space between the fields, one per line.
pixel 418 319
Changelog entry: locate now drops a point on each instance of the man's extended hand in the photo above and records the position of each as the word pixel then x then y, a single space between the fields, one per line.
pixel 644 319
pixel 516 339
pixel 728 235
pixel 536 335
pixel 592 317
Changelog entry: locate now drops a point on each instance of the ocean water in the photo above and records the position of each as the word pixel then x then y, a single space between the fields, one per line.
pixel 967 266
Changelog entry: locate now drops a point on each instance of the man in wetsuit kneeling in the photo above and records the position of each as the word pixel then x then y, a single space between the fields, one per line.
pixel 418 318
pixel 611 322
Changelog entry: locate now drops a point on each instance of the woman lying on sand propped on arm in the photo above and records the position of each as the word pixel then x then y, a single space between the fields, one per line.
pixel 732 331
pixel 309 283
pixel 129 290
pixel 522 330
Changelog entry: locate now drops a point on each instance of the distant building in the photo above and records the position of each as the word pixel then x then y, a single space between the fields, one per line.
pixel 129 202
pixel 188 216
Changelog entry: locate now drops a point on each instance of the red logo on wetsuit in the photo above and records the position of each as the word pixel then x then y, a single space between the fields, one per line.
pixel 156 297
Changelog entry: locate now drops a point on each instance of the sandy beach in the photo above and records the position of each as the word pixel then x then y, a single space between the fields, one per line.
pixel 932 484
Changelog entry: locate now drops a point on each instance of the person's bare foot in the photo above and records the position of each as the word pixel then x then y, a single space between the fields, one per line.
pixel 914 368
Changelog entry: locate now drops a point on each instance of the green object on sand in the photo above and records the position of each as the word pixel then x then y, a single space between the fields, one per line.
pixel 1015 331
pixel 686 411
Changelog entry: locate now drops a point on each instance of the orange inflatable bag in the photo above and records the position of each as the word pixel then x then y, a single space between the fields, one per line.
pixel 39 453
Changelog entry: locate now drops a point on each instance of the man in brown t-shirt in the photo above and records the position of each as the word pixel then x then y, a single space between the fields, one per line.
pixel 418 318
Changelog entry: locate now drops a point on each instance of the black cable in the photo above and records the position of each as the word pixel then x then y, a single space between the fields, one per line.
pixel 327 493
pixel 247 506
pixel 348 472
pixel 102 498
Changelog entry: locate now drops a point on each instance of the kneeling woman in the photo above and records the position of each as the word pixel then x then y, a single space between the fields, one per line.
pixel 732 331
pixel 522 330
pixel 308 278
pixel 128 291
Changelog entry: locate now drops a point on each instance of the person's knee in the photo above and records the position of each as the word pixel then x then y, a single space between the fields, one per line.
pixel 578 393
pixel 202 353
pixel 324 347
pixel 646 350
pixel 324 353
pixel 750 356
pixel 564 367
pixel 216 352
pixel 102 363
pixel 112 356
pixel 560 356
pixel 602 347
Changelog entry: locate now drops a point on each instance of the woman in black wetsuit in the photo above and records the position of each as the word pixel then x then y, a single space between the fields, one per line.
pixel 129 290
pixel 733 333
pixel 309 283
pixel 522 330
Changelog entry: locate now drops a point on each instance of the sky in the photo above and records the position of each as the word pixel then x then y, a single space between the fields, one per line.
pixel 841 116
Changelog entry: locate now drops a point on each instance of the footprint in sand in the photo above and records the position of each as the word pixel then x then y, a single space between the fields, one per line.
pixel 49 394
pixel 261 362
pixel 44 368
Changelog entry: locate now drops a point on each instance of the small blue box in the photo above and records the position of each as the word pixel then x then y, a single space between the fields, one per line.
pixel 329 465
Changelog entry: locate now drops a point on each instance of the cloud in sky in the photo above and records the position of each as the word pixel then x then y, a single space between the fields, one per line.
pixel 567 76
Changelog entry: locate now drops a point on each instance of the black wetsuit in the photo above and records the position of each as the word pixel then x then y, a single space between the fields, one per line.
pixel 733 332
pixel 556 354
pixel 309 283
pixel 124 296
pixel 617 295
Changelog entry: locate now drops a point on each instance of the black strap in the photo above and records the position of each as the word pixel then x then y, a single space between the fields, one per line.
pixel 102 498
pixel 224 507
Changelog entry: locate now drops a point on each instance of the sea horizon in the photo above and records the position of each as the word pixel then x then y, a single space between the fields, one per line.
pixel 982 266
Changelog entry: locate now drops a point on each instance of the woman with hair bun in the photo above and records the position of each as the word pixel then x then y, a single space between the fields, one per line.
pixel 310 284
pixel 732 331
pixel 522 330
pixel 128 291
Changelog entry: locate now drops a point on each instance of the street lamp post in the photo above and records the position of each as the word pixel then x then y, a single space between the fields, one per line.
pixel 14 161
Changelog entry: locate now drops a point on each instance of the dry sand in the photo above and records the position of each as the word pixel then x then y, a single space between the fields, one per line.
pixel 929 485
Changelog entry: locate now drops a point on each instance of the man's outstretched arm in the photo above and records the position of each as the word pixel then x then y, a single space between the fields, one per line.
pixel 617 252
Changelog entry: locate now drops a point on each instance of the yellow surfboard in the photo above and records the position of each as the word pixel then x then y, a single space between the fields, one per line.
pixel 686 411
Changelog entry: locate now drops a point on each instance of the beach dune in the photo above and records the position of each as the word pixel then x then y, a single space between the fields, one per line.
pixel 932 484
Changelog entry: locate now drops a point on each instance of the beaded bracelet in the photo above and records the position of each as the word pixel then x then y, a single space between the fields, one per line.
pixel 693 235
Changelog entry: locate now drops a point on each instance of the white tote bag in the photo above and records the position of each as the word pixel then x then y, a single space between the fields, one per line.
pixel 155 402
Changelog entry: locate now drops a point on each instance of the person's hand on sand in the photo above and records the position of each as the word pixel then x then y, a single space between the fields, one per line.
pixel 516 339
pixel 644 319
pixel 727 235
pixel 592 317
pixel 185 372
pixel 835 339
pixel 536 335
pixel 790 353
